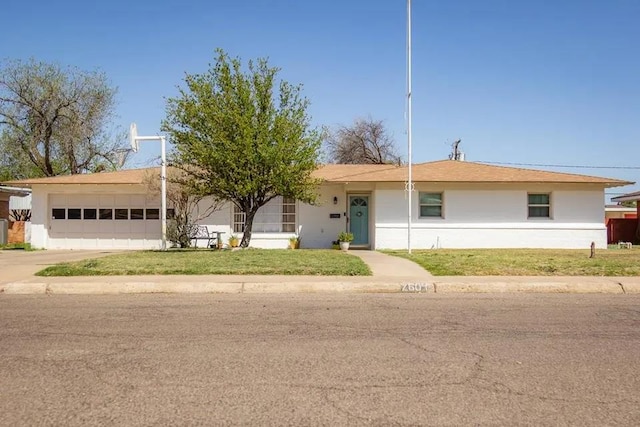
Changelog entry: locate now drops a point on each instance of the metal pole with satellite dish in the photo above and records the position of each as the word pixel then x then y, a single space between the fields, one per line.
pixel 134 139
pixel 410 178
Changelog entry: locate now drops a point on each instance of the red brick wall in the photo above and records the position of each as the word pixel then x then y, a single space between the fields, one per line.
pixel 16 232
pixel 4 209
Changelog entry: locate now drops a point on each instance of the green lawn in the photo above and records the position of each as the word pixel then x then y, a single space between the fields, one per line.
pixel 21 246
pixel 526 262
pixel 251 261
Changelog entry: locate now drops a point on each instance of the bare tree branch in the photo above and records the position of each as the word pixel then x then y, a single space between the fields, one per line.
pixel 365 141
pixel 58 117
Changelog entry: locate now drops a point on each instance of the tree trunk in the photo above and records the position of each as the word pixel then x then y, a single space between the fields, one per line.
pixel 248 225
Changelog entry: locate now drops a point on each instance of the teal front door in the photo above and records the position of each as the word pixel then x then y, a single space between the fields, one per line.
pixel 359 219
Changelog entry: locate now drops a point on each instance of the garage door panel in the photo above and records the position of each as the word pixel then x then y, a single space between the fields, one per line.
pixel 152 227
pixel 122 200
pixel 81 200
pixel 138 200
pixel 96 230
pixel 58 200
pixel 75 226
pixel 106 226
pixel 90 226
pixel 122 227
pixel 107 201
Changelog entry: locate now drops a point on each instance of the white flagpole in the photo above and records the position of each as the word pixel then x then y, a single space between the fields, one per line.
pixel 410 180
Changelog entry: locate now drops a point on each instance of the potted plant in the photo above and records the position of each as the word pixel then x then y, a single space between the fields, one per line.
pixel 234 241
pixel 345 238
pixel 294 242
pixel 335 244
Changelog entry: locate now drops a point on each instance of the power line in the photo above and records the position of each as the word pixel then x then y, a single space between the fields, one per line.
pixel 560 166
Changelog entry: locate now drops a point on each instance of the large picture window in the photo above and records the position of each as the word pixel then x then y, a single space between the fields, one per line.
pixel 539 205
pixel 430 205
pixel 277 216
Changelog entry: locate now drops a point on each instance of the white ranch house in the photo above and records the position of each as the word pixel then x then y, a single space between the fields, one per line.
pixel 456 204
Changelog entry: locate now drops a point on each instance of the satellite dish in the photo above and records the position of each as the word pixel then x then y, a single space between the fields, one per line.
pixel 133 137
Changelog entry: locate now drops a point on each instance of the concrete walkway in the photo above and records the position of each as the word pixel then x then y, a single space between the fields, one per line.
pixel 383 265
pixel 19 265
pixel 390 274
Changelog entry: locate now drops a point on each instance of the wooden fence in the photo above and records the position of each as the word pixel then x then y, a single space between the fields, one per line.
pixel 622 230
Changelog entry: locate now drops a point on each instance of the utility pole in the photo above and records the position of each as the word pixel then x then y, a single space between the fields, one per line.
pixel 410 178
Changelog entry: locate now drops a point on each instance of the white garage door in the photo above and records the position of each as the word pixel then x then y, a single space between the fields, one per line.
pixel 106 221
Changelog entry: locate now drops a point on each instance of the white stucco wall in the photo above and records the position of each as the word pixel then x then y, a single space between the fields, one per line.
pixel 475 216
pixel 485 217
pixel 318 228
pixel 39 213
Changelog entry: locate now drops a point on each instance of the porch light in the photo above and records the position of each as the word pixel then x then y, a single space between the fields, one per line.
pixel 335 200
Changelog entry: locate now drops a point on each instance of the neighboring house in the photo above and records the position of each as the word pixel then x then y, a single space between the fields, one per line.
pixel 629 197
pixel 619 211
pixel 9 196
pixel 626 229
pixel 455 204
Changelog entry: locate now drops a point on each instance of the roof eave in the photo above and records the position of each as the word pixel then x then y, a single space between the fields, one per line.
pixel 629 198
pixel 15 189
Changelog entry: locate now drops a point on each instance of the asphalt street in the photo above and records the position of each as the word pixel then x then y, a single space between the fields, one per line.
pixel 330 359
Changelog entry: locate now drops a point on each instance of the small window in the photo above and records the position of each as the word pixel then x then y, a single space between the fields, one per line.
pixel 90 214
pixel 137 213
pixel 430 205
pixel 106 213
pixel 539 205
pixel 288 215
pixel 171 213
pixel 58 213
pixel 153 213
pixel 74 213
pixel 122 214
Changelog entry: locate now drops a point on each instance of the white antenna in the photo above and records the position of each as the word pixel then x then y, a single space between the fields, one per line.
pixel 133 137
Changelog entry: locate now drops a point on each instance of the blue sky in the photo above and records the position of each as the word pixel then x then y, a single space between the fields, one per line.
pixel 544 82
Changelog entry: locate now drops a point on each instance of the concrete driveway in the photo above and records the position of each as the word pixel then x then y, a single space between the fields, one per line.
pixel 17 265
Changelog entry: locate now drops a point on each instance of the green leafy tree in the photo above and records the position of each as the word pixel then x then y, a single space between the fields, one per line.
pixel 54 121
pixel 243 137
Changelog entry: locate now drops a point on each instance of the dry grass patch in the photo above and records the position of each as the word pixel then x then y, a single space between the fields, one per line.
pixel 251 261
pixel 526 262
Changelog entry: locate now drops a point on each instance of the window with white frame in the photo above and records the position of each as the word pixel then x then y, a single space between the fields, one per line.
pixel 277 216
pixel 539 205
pixel 430 205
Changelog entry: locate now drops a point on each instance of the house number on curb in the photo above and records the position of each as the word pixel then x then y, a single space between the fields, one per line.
pixel 414 287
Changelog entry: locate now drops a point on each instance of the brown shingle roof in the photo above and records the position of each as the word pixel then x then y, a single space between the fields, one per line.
pixel 629 197
pixel 439 171
pixel 454 171
pixel 125 176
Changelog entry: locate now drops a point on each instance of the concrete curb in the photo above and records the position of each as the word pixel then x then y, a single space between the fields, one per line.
pixel 23 288
pixel 529 287
pixel 93 288
pixel 630 287
pixel 109 287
